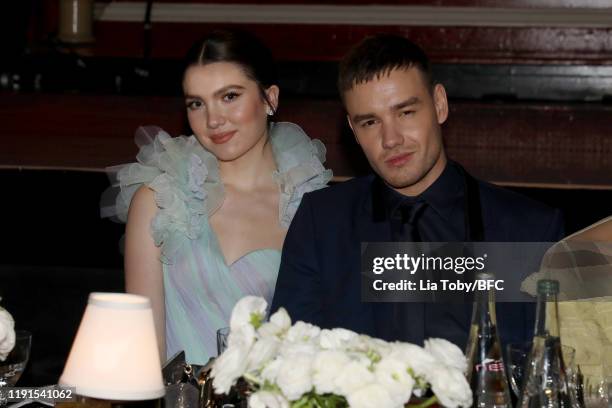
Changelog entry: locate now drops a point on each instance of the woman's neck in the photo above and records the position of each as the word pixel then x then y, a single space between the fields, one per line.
pixel 252 170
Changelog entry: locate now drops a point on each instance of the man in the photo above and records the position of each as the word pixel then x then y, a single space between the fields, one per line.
pixel 395 112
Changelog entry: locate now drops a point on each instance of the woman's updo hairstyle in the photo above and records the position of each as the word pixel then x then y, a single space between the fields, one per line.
pixel 238 47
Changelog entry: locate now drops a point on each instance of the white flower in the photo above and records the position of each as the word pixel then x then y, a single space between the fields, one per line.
pixel 7 333
pixel 393 376
pixel 302 332
pixel 448 353
pixel 295 376
pixel 336 338
pixel 353 376
pixel 279 323
pixel 288 350
pixel 243 337
pixel 262 352
pixel 228 367
pixel 325 368
pixel 450 386
pixel 267 399
pixel 416 358
pixel 271 370
pixel 248 310
pixel 371 396
pixel 281 319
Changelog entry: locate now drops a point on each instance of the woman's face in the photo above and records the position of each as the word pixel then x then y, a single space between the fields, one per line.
pixel 225 108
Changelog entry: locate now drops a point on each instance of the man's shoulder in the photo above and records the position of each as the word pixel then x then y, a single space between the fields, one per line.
pixel 515 212
pixel 496 196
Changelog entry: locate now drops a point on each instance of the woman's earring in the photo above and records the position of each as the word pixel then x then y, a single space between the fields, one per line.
pixel 270 112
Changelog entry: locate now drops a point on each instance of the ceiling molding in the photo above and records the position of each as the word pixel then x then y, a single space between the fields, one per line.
pixel 378 15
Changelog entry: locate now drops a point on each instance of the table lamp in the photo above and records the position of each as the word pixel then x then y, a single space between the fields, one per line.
pixel 114 355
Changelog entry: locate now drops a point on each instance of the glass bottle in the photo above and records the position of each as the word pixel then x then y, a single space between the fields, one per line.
pixel 485 372
pixel 546 383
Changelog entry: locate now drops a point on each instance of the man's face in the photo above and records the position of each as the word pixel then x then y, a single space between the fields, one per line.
pixel 396 120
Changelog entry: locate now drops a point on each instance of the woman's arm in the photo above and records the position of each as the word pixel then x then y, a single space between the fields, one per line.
pixel 143 269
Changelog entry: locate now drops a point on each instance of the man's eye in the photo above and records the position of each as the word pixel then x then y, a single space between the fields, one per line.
pixel 192 105
pixel 368 123
pixel 407 113
pixel 230 96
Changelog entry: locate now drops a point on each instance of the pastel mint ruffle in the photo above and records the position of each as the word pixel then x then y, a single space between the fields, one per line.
pixel 188 189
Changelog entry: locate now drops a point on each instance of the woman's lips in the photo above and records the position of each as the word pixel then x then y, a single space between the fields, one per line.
pixel 399 160
pixel 221 138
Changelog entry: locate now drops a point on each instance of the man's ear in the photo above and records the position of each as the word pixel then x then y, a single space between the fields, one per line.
pixel 440 103
pixel 348 119
pixel 272 95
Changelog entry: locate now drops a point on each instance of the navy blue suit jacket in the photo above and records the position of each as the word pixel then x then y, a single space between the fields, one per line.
pixel 319 279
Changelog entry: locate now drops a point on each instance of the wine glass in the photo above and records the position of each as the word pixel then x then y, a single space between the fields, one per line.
pixel 599 394
pixel 15 363
pixel 517 357
pixel 12 368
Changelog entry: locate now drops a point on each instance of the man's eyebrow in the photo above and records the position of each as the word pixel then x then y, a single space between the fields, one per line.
pixel 363 116
pixel 408 102
pixel 398 106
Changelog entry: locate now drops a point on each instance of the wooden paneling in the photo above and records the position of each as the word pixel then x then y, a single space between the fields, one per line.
pixel 444 45
pixel 530 144
pixel 328 42
pixel 443 3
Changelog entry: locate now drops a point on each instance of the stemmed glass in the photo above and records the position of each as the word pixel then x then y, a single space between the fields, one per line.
pixel 12 368
pixel 599 394
pixel 517 357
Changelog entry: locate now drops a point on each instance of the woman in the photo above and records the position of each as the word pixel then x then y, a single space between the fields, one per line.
pixel 208 213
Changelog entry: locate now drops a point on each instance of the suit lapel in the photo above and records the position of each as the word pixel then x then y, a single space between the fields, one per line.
pixel 372 225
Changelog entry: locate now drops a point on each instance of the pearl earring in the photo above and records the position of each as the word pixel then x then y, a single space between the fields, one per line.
pixel 270 112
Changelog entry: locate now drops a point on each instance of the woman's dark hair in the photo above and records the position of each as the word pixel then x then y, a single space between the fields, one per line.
pixel 238 47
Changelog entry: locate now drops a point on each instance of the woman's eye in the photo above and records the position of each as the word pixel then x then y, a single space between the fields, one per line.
pixel 230 96
pixel 194 104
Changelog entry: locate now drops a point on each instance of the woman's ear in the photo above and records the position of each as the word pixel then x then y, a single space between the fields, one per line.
pixel 272 98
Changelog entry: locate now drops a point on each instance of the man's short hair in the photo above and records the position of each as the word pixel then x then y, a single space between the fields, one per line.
pixel 379 55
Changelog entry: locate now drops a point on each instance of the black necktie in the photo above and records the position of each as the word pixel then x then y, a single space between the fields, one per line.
pixel 404 221
pixel 408 317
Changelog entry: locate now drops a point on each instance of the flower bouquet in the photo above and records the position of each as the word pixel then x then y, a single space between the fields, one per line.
pixel 303 366
pixel 7 333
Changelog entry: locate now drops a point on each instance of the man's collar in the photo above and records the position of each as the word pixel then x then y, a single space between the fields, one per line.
pixel 443 195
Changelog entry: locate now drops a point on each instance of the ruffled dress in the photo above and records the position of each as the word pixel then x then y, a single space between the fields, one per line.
pixel 200 288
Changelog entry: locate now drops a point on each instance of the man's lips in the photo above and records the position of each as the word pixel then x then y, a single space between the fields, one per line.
pixel 220 138
pixel 399 159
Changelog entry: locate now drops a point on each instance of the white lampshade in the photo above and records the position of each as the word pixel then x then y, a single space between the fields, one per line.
pixel 114 355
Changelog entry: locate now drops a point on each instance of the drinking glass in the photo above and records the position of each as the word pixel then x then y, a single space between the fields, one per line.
pixel 517 357
pixel 599 395
pixel 222 338
pixel 16 361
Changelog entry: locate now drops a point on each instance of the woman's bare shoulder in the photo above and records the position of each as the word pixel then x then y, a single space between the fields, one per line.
pixel 143 203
